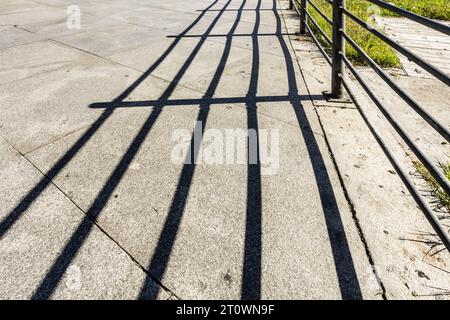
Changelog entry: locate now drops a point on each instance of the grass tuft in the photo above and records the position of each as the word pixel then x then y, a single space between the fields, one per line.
pixel 436 189
pixel 433 9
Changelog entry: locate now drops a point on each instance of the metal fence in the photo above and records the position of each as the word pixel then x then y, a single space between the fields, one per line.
pixel 338 61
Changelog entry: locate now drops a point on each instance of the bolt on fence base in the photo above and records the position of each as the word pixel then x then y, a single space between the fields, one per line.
pixel 343 98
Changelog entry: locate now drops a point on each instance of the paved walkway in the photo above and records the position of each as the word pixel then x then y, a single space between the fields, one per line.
pixel 429 44
pixel 92 203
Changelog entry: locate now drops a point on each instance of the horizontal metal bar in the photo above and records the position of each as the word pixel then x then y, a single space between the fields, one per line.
pixel 428 211
pixel 322 50
pixel 319 29
pixel 445 133
pixel 415 17
pixel 409 54
pixel 320 12
pixel 438 175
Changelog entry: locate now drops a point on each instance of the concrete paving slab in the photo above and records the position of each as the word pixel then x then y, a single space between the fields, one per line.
pixel 101 270
pixel 9 6
pixel 16 13
pixel 107 9
pixel 175 21
pixel 201 69
pixel 110 39
pixel 56 3
pixel 243 34
pixel 392 225
pixel 12 36
pixel 60 83
pixel 58 27
pixel 421 40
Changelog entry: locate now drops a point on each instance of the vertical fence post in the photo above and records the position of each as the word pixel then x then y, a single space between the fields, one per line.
pixel 303 8
pixel 291 4
pixel 338 48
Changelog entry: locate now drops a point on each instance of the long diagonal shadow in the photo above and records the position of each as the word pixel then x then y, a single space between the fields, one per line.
pixel 34 193
pixel 161 255
pixel 251 273
pixel 345 269
pixel 54 275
